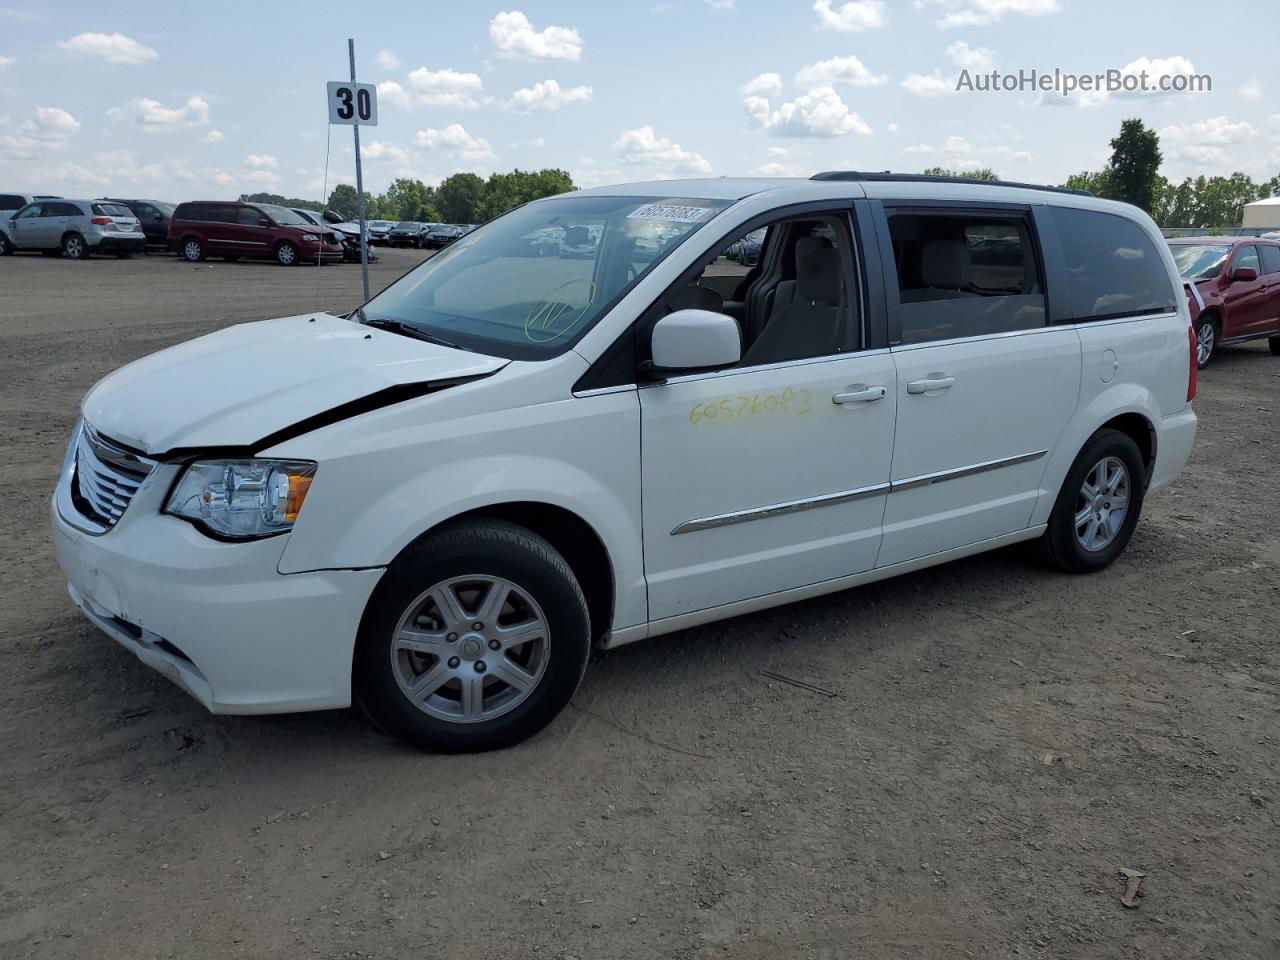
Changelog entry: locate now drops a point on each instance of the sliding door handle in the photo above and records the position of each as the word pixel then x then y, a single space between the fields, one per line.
pixel 859 393
pixel 930 384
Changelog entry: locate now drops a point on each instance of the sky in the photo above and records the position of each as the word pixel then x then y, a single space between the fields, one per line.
pixel 172 101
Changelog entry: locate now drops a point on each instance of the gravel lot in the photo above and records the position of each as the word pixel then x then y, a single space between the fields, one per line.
pixel 1003 739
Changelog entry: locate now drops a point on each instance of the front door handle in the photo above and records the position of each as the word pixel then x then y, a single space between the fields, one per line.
pixel 930 384
pixel 859 393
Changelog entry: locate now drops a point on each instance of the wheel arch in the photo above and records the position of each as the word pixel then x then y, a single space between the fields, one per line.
pixel 1141 431
pixel 573 537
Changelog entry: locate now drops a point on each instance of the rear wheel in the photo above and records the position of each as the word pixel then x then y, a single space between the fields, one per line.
pixel 475 638
pixel 286 254
pixel 1098 506
pixel 1206 341
pixel 74 247
pixel 6 248
pixel 192 250
pixel 1274 343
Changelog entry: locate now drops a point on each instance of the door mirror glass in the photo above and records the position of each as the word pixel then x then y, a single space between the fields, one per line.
pixel 695 340
pixel 1245 273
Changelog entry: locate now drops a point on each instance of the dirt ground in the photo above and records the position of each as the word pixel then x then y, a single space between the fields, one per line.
pixel 1001 741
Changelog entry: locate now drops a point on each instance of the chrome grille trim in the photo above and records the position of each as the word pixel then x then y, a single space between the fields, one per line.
pixel 101 480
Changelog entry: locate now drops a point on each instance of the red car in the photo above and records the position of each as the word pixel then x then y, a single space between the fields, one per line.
pixel 1234 288
pixel 262 231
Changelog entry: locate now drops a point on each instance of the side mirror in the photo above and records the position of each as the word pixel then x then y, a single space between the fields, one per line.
pixel 1244 273
pixel 689 340
pixel 265 222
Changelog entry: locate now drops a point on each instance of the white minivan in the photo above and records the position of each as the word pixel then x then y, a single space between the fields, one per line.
pixel 436 505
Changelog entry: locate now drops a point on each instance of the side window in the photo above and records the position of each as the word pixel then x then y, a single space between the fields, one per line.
pixel 197 212
pixel 1247 257
pixel 1113 268
pixel 801 303
pixel 1270 258
pixel 32 211
pixel 965 274
pixel 249 216
pixel 9 201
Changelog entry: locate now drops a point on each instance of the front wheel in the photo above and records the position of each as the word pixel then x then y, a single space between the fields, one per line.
pixel 1274 343
pixel 1097 509
pixel 1206 340
pixel 475 638
pixel 6 248
pixel 192 251
pixel 286 254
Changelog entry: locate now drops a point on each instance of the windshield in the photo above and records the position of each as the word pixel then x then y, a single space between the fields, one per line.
pixel 405 225
pixel 283 215
pixel 529 284
pixel 1199 261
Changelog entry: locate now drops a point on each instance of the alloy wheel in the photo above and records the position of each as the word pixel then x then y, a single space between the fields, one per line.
pixel 1102 504
pixel 471 648
pixel 191 250
pixel 1205 337
pixel 74 248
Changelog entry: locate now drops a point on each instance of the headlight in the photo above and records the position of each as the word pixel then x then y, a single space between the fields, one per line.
pixel 310 236
pixel 243 499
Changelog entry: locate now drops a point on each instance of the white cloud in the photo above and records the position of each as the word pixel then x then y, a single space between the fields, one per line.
pixel 777 169
pixel 1250 90
pixel 720 4
pixel 1202 142
pixel 454 141
pixel 111 47
pixel 1153 68
pixel 849 71
pixel 778 151
pixel 213 136
pixel 261 178
pixel 959 152
pixel 851 17
pixel 918 149
pixel 971 13
pixel 514 36
pixel 892 128
pixel 929 84
pixel 7 62
pixel 261 161
pixel 434 88
pixel 547 95
pixel 818 113
pixel 642 145
pixel 765 85
pixel 387 60
pixel 52 123
pixel 970 58
pixel 377 152
pixel 154 117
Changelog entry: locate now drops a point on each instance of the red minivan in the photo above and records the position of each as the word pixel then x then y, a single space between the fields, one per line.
pixel 262 231
pixel 1234 286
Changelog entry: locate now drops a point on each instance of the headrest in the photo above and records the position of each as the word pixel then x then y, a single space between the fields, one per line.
pixel 576 236
pixel 807 244
pixel 818 277
pixel 945 264
pixel 695 297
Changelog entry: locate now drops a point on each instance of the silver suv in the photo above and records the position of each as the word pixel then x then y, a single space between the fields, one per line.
pixel 78 228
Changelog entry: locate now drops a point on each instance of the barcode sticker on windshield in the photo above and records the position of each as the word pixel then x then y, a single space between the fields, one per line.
pixel 668 212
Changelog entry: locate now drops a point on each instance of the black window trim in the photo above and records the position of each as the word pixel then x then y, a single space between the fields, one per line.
pixel 1050 281
pixel 617 367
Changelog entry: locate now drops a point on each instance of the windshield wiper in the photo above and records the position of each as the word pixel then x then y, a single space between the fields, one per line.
pixel 405 330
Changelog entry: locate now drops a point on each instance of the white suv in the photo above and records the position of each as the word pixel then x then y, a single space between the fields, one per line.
pixel 437 504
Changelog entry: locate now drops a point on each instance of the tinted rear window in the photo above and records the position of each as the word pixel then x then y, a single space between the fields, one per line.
pixel 1113 267
pixel 9 201
pixel 112 210
pixel 1270 258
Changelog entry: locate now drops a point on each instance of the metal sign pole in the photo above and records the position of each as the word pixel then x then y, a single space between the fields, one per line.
pixel 355 129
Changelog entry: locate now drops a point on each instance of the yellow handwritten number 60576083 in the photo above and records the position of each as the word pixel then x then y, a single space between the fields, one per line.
pixel 789 401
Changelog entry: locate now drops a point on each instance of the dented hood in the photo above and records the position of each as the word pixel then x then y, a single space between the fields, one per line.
pixel 247 382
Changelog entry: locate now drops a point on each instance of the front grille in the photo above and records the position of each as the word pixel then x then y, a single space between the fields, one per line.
pixel 106 477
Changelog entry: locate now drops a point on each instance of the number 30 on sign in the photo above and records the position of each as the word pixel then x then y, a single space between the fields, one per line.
pixel 353 103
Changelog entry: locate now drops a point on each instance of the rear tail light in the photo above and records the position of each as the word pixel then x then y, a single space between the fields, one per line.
pixel 101 221
pixel 1194 376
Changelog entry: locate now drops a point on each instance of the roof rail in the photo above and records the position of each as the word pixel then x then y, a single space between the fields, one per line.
pixel 886 176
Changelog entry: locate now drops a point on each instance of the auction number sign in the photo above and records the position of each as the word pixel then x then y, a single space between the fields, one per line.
pixel 353 103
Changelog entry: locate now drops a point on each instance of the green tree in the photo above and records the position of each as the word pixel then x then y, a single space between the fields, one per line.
pixel 1096 182
pixel 983 173
pixel 281 201
pixel 1135 164
pixel 409 199
pixel 344 201
pixel 461 198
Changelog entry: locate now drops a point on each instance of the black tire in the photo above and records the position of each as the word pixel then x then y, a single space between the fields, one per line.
pixel 123 254
pixel 74 247
pixel 1060 545
pixel 192 250
pixel 1207 331
pixel 1274 344
pixel 286 254
pixel 6 248
pixel 481 548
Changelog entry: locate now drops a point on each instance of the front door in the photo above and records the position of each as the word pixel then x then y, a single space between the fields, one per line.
pixel 771 475
pixel 28 226
pixel 1246 300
